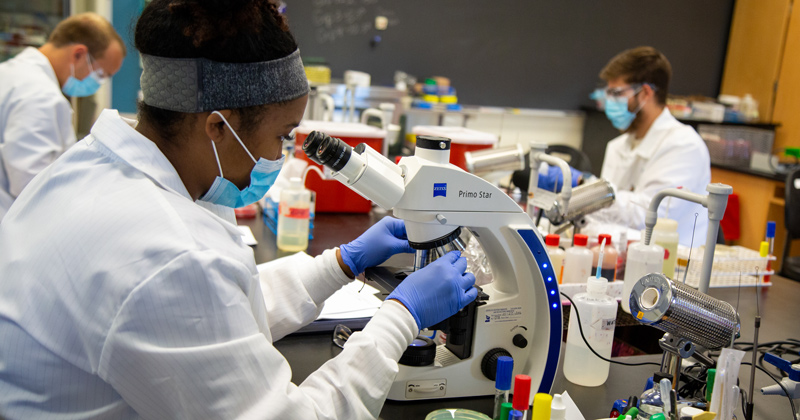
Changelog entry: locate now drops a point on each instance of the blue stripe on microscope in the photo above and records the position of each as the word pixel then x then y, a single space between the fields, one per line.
pixel 554 302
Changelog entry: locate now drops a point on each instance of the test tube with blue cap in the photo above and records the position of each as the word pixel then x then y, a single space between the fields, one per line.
pixel 771 240
pixel 502 383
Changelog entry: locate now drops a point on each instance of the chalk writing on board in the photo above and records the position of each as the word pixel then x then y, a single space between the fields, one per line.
pixel 335 19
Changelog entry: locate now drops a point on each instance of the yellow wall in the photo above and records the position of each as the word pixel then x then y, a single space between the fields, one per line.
pixel 755 50
pixel 787 103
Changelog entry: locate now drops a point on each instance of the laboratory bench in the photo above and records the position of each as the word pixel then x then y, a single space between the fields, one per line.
pixel 778 305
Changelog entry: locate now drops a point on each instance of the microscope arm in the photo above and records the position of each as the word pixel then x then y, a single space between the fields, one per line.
pixel 715 202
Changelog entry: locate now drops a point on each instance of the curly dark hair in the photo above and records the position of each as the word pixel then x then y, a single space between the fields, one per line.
pixel 230 31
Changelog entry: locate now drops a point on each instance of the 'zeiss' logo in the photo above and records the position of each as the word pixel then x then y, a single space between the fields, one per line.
pixel 440 190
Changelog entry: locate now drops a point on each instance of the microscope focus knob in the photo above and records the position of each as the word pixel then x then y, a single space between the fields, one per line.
pixel 520 341
pixel 489 362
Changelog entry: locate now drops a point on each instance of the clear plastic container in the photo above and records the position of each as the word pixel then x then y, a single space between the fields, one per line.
pixel 556 254
pixel 650 401
pixel 293 217
pixel 578 261
pixel 622 253
pixel 642 259
pixel 608 267
pixel 598 313
pixel 665 234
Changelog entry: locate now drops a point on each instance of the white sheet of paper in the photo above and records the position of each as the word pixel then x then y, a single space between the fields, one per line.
pixel 348 302
pixel 573 413
pixel 247 235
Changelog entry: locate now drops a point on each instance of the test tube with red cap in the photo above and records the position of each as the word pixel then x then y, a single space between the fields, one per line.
pixel 522 394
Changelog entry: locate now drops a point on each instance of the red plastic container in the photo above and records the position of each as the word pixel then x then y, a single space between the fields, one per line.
pixel 331 195
pixel 463 140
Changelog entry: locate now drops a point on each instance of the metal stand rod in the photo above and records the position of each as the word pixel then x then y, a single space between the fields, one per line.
pixel 748 415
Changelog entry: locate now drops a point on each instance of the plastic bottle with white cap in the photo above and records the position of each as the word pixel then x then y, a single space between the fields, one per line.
pixel 642 259
pixel 665 234
pixel 598 313
pixel 558 410
pixel 293 215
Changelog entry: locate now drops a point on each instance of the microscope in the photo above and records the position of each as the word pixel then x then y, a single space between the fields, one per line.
pixel 517 315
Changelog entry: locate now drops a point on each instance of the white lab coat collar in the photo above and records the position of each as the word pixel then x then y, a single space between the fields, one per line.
pixel 119 136
pixel 655 135
pixel 35 57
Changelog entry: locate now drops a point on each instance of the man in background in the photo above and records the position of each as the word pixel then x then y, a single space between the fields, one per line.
pixel 654 151
pixel 35 116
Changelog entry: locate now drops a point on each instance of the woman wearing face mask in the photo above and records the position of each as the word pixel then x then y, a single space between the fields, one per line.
pixel 127 291
pixel 654 152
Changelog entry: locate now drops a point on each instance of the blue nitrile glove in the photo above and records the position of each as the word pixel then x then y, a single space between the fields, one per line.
pixel 438 291
pixel 548 181
pixel 376 245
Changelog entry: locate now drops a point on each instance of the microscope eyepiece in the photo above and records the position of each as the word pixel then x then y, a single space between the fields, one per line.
pixel 333 153
pixel 311 144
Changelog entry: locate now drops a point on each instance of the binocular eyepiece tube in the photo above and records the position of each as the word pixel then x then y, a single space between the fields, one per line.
pixel 362 169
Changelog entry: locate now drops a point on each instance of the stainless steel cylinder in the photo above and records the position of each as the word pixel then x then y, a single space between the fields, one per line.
pixel 586 199
pixel 683 311
pixel 510 158
pixel 424 257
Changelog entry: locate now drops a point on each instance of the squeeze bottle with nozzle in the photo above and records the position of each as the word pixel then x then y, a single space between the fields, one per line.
pixel 598 313
pixel 577 261
pixel 556 255
pixel 293 215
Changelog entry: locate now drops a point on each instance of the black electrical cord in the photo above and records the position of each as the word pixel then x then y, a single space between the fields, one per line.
pixel 785 391
pixel 580 328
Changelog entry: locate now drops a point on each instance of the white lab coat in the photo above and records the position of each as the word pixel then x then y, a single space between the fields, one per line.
pixel 35 122
pixel 670 155
pixel 121 298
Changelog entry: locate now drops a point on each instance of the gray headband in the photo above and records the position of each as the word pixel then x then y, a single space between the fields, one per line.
pixel 199 84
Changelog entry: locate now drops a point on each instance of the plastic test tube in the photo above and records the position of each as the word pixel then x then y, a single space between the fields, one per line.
pixel 516 415
pixel 541 406
pixel 522 394
pixel 771 240
pixel 505 408
pixel 502 383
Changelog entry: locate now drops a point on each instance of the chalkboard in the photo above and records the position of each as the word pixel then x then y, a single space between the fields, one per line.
pixel 534 53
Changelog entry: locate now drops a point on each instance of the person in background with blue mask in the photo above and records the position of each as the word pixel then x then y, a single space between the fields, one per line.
pixel 127 291
pixel 654 152
pixel 35 117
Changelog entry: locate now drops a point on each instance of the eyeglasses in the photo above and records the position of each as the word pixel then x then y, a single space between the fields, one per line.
pixel 341 334
pixel 618 92
pixel 101 74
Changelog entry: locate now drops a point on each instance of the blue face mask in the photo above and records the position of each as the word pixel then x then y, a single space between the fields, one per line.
pixel 81 88
pixel 263 175
pixel 617 111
